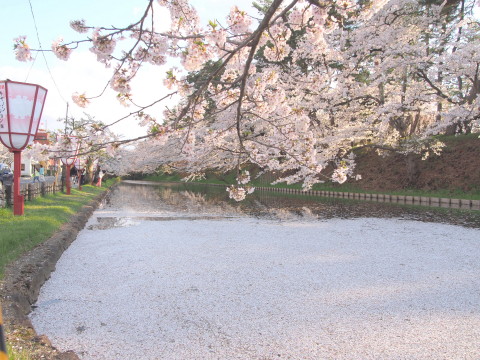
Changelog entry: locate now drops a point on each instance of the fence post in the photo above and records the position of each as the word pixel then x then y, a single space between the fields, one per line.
pixel 30 191
pixel 3 201
pixel 8 195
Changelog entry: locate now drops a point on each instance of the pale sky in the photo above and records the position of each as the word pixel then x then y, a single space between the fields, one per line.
pixel 82 73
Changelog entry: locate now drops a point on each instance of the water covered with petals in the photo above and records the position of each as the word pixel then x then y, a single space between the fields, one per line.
pixel 181 272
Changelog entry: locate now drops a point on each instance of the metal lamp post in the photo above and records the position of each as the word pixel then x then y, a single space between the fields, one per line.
pixel 21 107
pixel 70 146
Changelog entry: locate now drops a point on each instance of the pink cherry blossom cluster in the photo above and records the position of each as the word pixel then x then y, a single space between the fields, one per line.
pixel 79 26
pixel 277 52
pixel 340 175
pixel 37 151
pixel 217 38
pixel 120 82
pixel 22 50
pixel 243 178
pixel 154 51
pixel 103 46
pixel 64 147
pixel 171 80
pixel 239 22
pixel 299 17
pixel 124 99
pixel 145 119
pixel 198 110
pixel 196 54
pixel 189 144
pixel 60 50
pixel 80 99
pixel 236 193
pixel 184 18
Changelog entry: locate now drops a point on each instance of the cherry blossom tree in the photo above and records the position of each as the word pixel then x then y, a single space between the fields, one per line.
pixel 97 143
pixel 296 88
pixel 6 156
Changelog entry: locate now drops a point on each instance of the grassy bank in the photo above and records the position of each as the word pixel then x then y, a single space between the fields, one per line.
pixel 229 179
pixel 43 216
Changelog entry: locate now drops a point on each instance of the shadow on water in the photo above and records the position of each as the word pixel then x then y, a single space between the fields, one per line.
pixel 199 201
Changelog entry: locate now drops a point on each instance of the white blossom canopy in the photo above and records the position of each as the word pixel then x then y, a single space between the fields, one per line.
pixel 297 88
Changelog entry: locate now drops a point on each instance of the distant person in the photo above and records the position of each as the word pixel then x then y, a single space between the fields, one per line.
pixel 100 176
pixel 41 173
pixel 36 175
pixel 81 177
pixel 73 174
pixel 95 176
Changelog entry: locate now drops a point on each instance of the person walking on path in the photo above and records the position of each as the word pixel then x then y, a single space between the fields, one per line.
pixel 81 177
pixel 100 176
pixel 36 175
pixel 95 176
pixel 74 175
pixel 41 173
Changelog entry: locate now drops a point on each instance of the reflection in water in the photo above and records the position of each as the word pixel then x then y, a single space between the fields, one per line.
pixel 104 223
pixel 194 200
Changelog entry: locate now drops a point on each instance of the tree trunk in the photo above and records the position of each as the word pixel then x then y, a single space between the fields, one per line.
pixel 415 123
pixel 451 129
pixel 89 170
pixel 413 171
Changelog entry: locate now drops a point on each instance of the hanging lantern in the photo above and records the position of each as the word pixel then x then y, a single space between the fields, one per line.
pixel 21 107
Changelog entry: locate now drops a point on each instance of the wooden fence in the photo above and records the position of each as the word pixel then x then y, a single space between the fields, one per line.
pixel 30 191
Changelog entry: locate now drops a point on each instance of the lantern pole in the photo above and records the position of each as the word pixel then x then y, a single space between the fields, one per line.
pixel 18 203
pixel 67 178
pixel 79 175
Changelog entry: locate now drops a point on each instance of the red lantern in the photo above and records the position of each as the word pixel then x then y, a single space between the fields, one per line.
pixel 21 107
